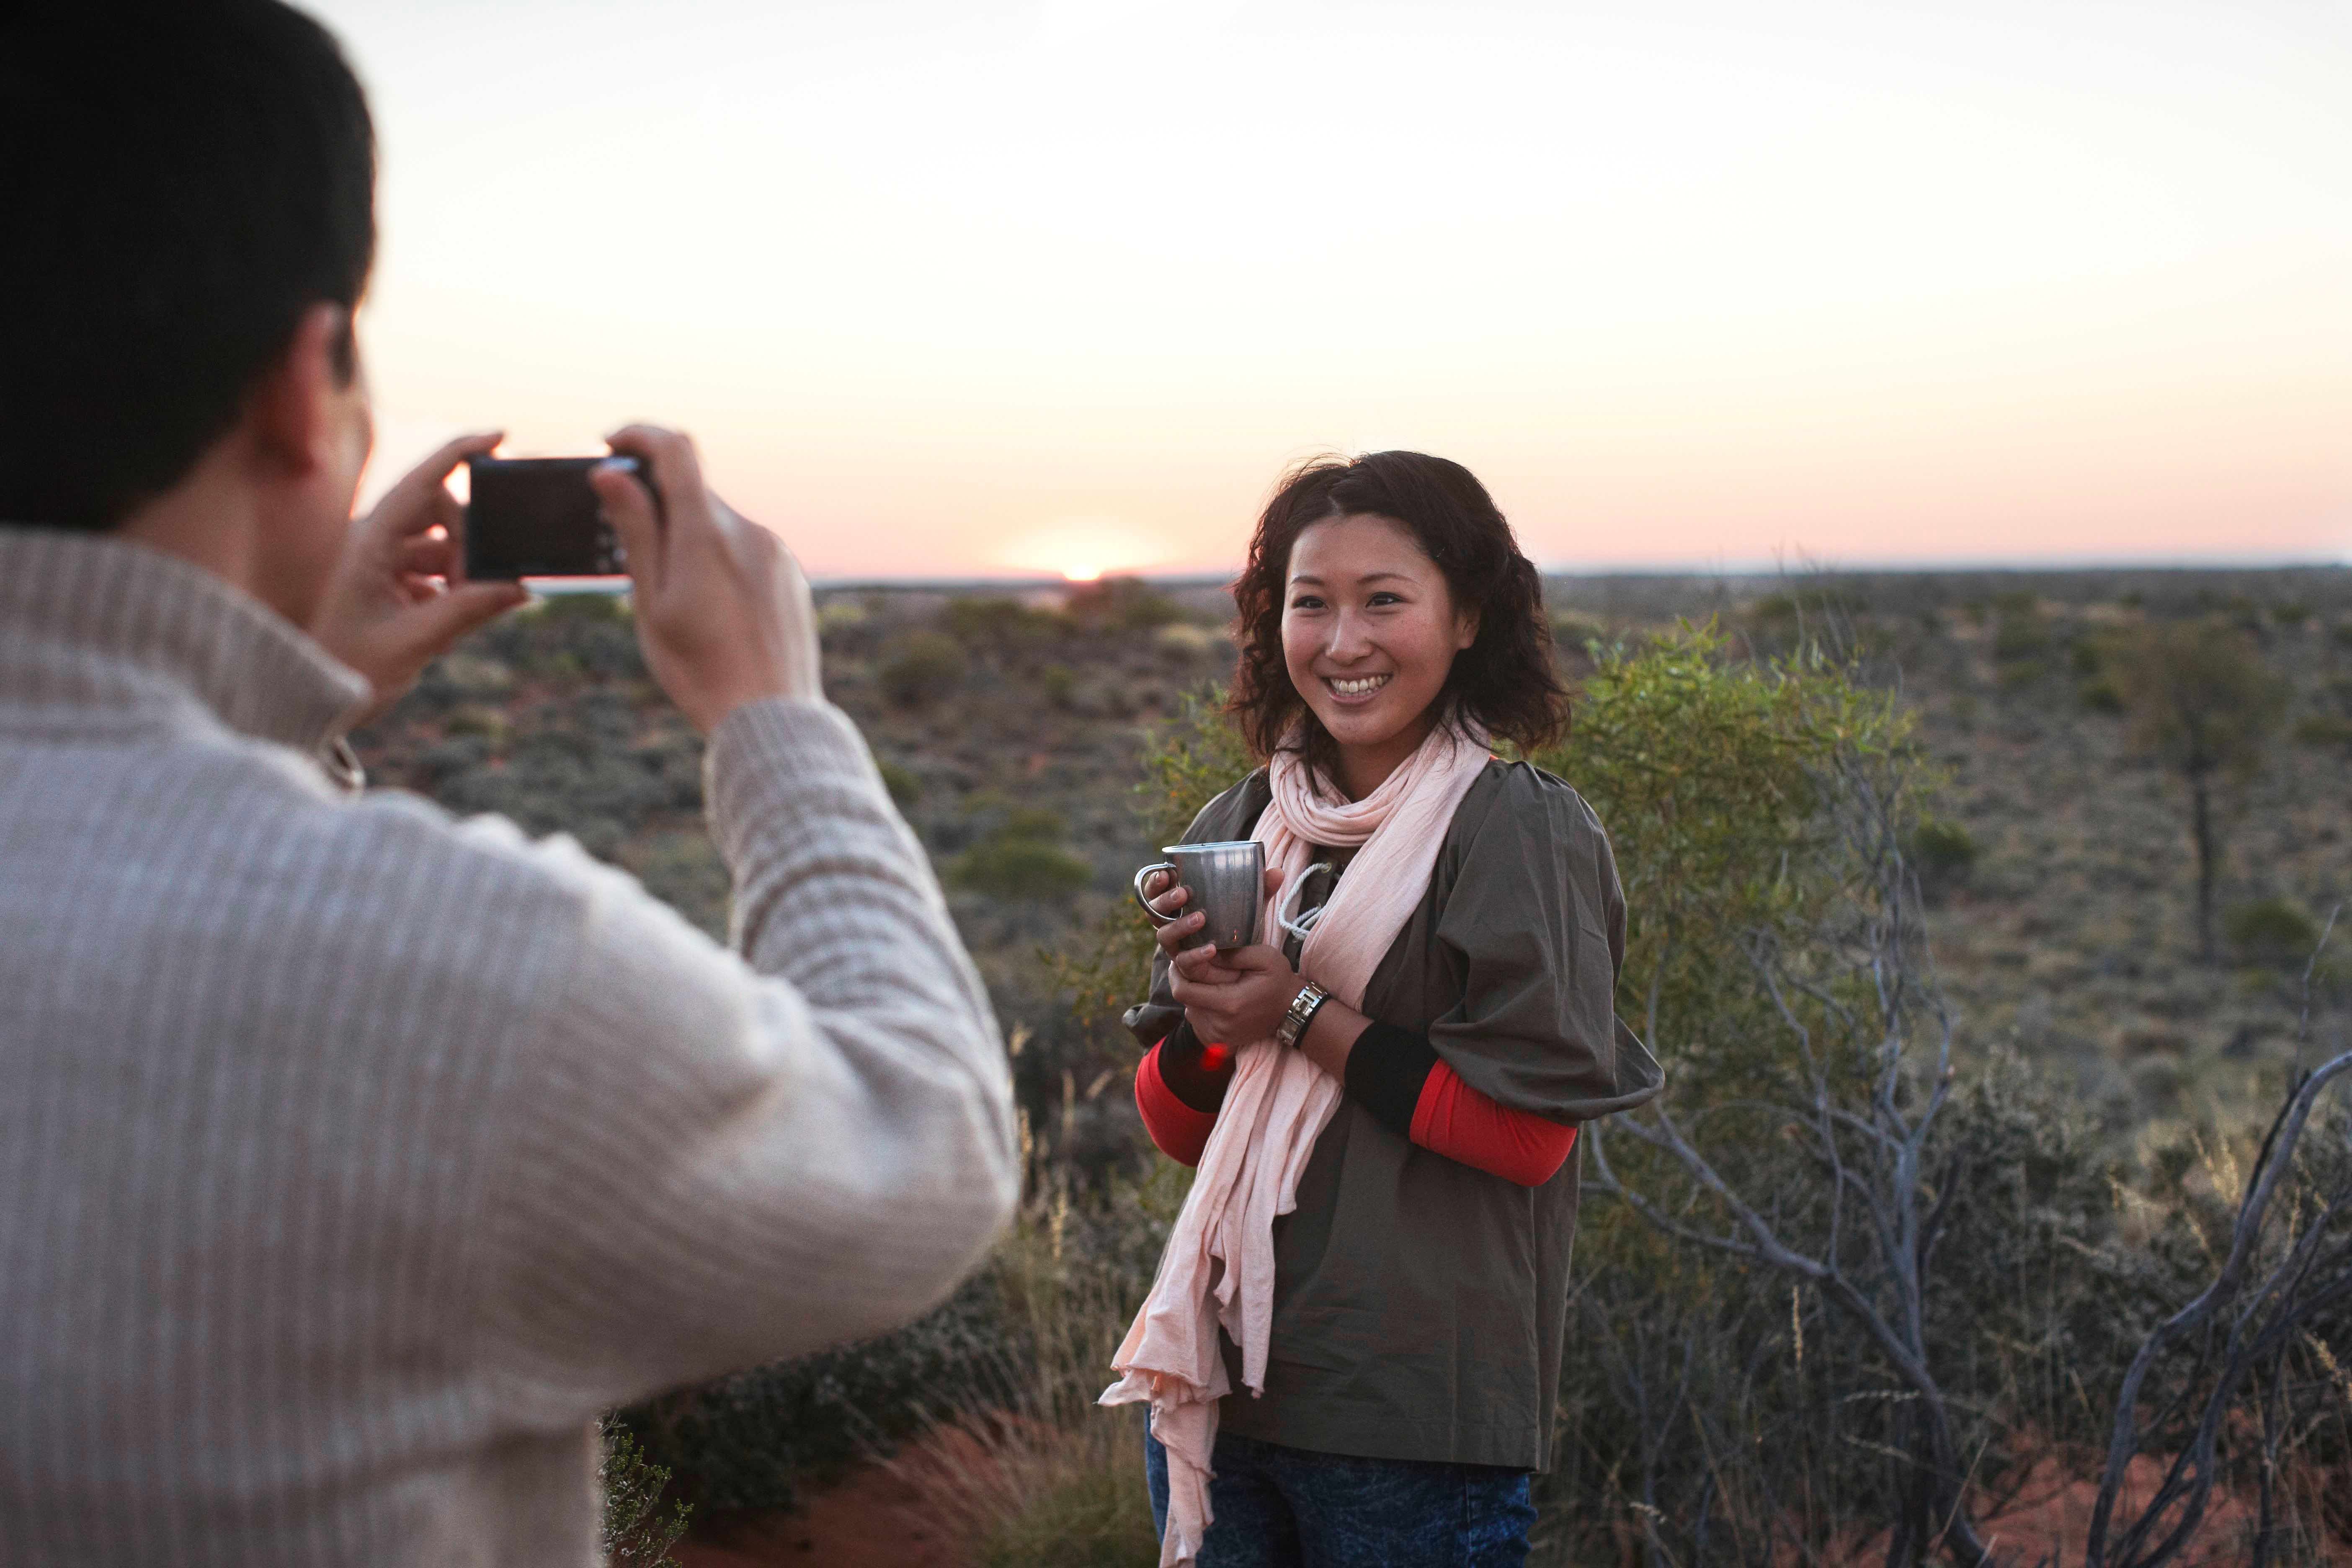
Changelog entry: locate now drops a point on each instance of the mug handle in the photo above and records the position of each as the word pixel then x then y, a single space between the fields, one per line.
pixel 1289 902
pixel 1157 918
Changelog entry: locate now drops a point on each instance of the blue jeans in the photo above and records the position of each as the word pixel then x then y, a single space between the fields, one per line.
pixel 1286 1508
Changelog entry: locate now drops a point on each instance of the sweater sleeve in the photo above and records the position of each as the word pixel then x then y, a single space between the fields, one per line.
pixel 728 1157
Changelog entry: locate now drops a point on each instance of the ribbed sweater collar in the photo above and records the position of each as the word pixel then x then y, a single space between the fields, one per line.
pixel 97 631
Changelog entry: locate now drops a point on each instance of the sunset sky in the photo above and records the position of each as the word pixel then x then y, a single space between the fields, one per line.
pixel 952 289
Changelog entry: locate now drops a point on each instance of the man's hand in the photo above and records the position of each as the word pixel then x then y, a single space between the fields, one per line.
pixel 396 602
pixel 1232 998
pixel 723 613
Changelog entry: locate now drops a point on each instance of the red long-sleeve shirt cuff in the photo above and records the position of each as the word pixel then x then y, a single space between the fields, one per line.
pixel 1181 1131
pixel 1452 1119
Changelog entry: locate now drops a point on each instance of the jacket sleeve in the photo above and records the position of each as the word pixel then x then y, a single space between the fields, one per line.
pixel 730 1157
pixel 1536 925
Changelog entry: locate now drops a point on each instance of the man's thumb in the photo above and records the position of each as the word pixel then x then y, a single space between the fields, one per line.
pixel 629 507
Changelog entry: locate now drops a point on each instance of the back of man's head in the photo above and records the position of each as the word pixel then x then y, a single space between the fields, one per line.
pixel 180 183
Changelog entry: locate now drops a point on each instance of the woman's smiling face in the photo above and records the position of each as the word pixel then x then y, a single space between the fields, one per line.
pixel 1369 635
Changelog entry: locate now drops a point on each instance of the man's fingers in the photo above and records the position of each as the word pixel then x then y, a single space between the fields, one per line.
pixel 629 507
pixel 427 555
pixel 1273 875
pixel 677 472
pixel 410 506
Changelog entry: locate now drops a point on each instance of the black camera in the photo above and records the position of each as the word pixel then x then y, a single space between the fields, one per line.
pixel 538 517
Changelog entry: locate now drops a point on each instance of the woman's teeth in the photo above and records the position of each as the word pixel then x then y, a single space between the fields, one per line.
pixel 1356 688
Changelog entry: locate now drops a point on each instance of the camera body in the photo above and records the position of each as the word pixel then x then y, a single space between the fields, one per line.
pixel 538 517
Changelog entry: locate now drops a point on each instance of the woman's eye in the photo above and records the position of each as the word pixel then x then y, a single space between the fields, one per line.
pixel 1384 599
pixel 1306 602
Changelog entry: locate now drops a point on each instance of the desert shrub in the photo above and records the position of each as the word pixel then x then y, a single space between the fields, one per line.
pixel 682 868
pixel 1701 767
pixel 572 767
pixel 920 667
pixel 1082 1504
pixel 2324 732
pixel 1060 684
pixel 2291 613
pixel 993 619
pixel 752 1439
pixel 569 635
pixel 1121 604
pixel 1043 1476
pixel 463 677
pixel 2022 634
pixel 900 780
pixel 2343 634
pixel 636 1530
pixel 1021 857
pixel 2017 675
pixel 2099 694
pixel 1187 760
pixel 1182 642
pixel 477 719
pixel 1022 869
pixel 2273 933
pixel 1943 852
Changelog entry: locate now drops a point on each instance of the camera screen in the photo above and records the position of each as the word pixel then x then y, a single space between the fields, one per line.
pixel 536 517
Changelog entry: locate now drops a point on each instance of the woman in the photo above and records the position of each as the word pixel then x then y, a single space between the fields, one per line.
pixel 1373 1260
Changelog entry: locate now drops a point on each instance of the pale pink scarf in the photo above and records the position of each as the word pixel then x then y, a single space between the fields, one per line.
pixel 1219 1265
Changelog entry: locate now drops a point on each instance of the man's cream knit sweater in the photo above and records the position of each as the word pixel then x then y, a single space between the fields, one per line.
pixel 351 1157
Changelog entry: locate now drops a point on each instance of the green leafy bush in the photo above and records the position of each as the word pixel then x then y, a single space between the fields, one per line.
pixel 1943 853
pixel 1022 869
pixel 1023 858
pixel 638 1531
pixel 2272 933
pixel 1121 604
pixel 752 1439
pixel 2100 695
pixel 2325 732
pixel 1000 620
pixel 569 636
pixel 2022 634
pixel 921 667
pixel 905 788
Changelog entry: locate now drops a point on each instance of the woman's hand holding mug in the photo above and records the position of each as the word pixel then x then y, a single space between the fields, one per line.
pixel 1232 997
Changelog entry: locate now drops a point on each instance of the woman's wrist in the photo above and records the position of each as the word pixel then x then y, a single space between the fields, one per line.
pixel 1330 1035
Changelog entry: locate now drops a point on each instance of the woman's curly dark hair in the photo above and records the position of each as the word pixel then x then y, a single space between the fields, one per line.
pixel 1504 683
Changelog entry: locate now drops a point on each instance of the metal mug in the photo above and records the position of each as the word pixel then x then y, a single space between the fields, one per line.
pixel 1226 881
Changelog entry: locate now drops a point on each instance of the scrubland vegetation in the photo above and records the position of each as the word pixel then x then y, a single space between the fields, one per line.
pixel 1977 919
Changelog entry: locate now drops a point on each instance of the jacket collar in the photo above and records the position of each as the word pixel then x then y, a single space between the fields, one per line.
pixel 99 631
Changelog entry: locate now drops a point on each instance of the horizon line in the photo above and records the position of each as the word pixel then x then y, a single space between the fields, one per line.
pixel 1749 569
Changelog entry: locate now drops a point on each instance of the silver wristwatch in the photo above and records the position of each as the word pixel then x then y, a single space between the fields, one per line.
pixel 1302 1013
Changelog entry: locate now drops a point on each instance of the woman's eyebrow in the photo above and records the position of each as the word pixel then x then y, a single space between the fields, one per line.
pixel 1367 578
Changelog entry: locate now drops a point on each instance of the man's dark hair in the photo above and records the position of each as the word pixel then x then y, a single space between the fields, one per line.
pixel 179 184
pixel 1503 685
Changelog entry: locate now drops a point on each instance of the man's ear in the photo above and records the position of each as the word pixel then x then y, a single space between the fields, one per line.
pixel 292 416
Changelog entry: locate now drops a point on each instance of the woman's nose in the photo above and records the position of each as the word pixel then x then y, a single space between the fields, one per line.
pixel 1350 639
